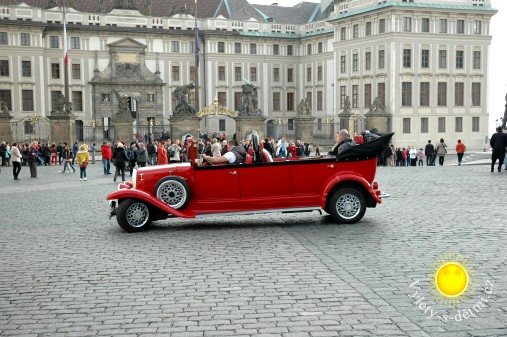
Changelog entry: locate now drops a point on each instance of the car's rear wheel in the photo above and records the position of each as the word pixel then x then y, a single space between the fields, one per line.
pixel 174 191
pixel 134 215
pixel 347 205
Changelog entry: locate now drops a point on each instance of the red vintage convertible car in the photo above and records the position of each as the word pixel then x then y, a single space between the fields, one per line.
pixel 341 185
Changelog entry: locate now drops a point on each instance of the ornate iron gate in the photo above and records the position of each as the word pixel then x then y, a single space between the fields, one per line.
pixel 32 129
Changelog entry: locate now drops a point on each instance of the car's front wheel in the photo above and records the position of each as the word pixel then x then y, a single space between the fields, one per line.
pixel 133 215
pixel 347 205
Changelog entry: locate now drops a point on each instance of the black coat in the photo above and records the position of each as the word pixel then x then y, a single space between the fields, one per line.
pixel 498 142
pixel 119 157
pixel 429 150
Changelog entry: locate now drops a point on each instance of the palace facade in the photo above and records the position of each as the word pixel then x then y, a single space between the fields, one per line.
pixel 423 62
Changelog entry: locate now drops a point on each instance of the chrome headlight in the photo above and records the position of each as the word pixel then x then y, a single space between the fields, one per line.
pixel 134 178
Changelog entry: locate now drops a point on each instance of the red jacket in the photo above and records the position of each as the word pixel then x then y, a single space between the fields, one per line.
pixel 107 153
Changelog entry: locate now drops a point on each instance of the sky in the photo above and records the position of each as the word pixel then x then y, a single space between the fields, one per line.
pixel 497 60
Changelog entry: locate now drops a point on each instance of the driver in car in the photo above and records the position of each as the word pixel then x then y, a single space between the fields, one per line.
pixel 235 155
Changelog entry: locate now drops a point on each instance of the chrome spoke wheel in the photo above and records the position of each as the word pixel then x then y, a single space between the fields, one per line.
pixel 173 193
pixel 137 214
pixel 348 206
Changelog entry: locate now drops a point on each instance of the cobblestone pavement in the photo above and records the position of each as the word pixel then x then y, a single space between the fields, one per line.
pixel 67 270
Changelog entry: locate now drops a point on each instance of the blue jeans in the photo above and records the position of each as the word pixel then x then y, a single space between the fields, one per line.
pixel 82 172
pixel 68 163
pixel 107 165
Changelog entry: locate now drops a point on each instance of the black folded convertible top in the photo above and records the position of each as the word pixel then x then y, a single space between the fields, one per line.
pixel 367 150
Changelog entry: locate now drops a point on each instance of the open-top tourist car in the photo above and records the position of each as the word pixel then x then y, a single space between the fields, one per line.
pixel 341 185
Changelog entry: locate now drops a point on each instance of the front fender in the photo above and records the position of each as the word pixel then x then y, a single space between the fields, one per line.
pixel 136 194
pixel 343 177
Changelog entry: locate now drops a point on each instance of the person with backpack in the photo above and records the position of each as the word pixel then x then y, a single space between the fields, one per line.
pixel 82 160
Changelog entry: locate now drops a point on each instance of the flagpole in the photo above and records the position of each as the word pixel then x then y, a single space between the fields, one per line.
pixel 65 60
pixel 197 105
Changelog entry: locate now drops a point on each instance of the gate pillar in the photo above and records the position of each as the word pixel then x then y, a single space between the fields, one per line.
pixel 62 128
pixel 5 127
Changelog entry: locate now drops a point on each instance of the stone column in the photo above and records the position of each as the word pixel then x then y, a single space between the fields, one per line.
pixel 381 121
pixel 245 124
pixel 63 128
pixel 304 128
pixel 123 128
pixel 183 125
pixel 5 127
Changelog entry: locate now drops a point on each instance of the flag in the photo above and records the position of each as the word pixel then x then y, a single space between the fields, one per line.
pixel 197 49
pixel 65 52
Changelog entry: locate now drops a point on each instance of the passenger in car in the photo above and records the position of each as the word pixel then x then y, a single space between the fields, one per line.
pixel 235 155
pixel 343 142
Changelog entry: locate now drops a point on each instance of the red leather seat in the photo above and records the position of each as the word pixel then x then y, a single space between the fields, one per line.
pixel 248 159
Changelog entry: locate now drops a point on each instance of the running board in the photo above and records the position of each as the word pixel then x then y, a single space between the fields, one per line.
pixel 277 210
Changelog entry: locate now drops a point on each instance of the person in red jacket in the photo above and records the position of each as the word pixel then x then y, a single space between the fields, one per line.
pixel 162 154
pixel 460 151
pixel 107 154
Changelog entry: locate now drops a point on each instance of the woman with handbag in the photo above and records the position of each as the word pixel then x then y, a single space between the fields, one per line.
pixel 441 152
pixel 82 157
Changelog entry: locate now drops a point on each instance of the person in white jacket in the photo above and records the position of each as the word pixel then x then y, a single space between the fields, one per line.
pixel 16 160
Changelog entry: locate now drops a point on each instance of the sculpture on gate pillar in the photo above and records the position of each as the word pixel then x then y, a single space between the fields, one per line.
pixel 348 106
pixel 183 97
pixel 249 99
pixel 377 106
pixel 3 108
pixel 303 107
pixel 123 104
pixel 61 106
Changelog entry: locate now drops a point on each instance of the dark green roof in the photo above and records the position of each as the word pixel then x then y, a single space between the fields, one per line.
pixel 413 5
pixel 287 35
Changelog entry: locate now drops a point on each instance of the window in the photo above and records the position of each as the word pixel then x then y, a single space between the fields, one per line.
pixel 75 43
pixel 4 38
pixel 54 42
pixel 459 92
pixel 367 61
pixel 442 94
pixel 476 94
pixel 221 125
pixel 343 33
pixel 425 58
pixel 319 100
pixel 290 75
pixel 6 97
pixel 381 92
pixel 253 73
pixel 424 125
pixel 443 26
pixel 237 74
pixel 407 24
pixel 221 47
pixel 355 62
pixel 475 124
pixel 424 94
pixel 477 60
pixel 175 46
pixel 253 48
pixel 308 49
pixel 106 97
pixel 343 96
pixel 76 71
pixel 26 68
pixel 276 74
pixel 4 68
pixel 355 31
pixel 355 96
pixel 319 73
pixel 77 100
pixel 406 94
pixel 458 125
pixel 290 101
pixel 237 48
pixel 381 59
pixel 459 59
pixel 191 47
pixel 25 39
pixel 407 58
pixel 276 49
pixel 460 27
pixel 320 47
pixel 308 74
pixel 477 27
pixel 368 28
pixel 367 95
pixel 290 124
pixel 290 50
pixel 222 98
pixel 221 73
pixel 176 73
pixel 237 100
pixel 441 124
pixel 442 59
pixel 192 73
pixel 343 64
pixel 406 125
pixel 382 26
pixel 55 70
pixel 276 101
pixel 425 25
pixel 309 98
pixel 27 100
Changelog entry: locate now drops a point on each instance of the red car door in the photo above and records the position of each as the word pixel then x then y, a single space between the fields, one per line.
pixel 216 188
pixel 308 176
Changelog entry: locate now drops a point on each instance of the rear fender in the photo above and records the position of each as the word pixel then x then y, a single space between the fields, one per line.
pixel 140 195
pixel 345 177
